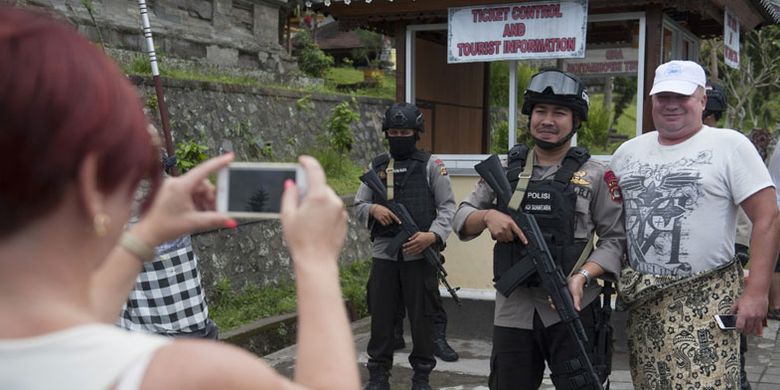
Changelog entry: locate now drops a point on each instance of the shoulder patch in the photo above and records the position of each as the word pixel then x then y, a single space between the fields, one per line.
pixel 440 165
pixel 614 189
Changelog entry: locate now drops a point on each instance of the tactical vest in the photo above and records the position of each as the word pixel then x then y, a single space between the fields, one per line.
pixel 411 188
pixel 553 204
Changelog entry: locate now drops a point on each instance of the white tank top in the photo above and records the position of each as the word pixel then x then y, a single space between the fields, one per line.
pixel 95 356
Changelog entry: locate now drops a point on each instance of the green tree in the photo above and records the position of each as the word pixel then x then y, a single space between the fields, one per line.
pixel 311 59
pixel 370 43
pixel 751 89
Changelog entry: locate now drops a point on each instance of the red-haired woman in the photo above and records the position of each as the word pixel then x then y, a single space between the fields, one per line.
pixel 73 149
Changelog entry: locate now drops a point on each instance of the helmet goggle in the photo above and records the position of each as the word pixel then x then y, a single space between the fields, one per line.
pixel 559 83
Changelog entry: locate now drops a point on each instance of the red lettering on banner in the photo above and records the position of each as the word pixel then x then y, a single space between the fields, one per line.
pixel 540 45
pixel 537 11
pixel 730 54
pixel 514 30
pixel 490 14
pixel 479 48
pixel 732 22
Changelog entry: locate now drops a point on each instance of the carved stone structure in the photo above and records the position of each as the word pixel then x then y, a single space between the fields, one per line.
pixel 223 32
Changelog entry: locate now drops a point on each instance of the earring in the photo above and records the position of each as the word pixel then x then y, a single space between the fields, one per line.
pixel 100 223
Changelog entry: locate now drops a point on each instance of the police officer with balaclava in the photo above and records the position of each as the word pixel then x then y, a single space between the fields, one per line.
pixel 420 182
pixel 573 199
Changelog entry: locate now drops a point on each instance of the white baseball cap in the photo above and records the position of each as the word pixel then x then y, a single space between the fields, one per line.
pixel 681 77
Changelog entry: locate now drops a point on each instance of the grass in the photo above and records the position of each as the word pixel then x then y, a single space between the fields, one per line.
pixel 230 309
pixel 386 89
pixel 336 76
pixel 342 173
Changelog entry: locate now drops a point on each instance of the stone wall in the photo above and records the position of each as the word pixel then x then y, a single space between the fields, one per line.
pixel 261 124
pixel 255 254
pixel 223 32
pixel 250 120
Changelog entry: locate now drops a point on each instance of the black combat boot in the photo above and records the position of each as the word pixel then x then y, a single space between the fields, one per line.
pixel 398 336
pixel 441 349
pixel 420 377
pixel 378 377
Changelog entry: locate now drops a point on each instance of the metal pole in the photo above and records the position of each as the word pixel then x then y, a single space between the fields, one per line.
pixel 169 149
pixel 512 137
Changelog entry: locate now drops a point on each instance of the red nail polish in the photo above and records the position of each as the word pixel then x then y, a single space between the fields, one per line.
pixel 287 184
pixel 231 224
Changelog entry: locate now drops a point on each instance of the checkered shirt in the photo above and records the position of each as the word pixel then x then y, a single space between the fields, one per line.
pixel 167 297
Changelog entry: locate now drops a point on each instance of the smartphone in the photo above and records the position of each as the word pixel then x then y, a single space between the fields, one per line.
pixel 254 190
pixel 726 321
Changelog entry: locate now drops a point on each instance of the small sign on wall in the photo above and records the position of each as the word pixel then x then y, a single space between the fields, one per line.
pixel 534 30
pixel 731 39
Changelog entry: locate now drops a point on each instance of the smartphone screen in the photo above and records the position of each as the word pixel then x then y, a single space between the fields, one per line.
pixel 726 321
pixel 254 190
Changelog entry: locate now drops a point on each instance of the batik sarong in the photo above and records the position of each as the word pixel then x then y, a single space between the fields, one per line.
pixel 673 340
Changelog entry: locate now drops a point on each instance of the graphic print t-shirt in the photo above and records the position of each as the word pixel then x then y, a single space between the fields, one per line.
pixel 681 200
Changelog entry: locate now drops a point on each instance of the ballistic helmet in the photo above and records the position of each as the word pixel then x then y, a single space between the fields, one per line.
pixel 716 99
pixel 403 116
pixel 557 87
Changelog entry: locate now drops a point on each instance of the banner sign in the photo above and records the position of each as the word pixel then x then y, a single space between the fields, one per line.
pixel 731 39
pixel 605 62
pixel 534 30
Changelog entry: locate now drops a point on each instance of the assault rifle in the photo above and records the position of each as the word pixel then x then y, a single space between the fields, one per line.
pixel 538 261
pixel 408 229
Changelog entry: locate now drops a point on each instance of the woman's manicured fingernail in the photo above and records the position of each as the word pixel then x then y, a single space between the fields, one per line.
pixel 287 184
pixel 231 224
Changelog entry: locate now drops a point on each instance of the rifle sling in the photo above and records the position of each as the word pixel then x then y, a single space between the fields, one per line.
pixel 522 183
pixel 390 171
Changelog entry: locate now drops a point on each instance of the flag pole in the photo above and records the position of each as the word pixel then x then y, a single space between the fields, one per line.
pixel 169 149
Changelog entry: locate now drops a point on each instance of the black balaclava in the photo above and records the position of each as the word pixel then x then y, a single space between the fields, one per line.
pixel 402 147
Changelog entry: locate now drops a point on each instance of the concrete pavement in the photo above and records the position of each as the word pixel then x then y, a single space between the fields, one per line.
pixel 471 371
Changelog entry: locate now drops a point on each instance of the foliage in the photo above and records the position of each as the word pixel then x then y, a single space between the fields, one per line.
pixel 751 89
pixel 341 172
pixel 339 132
pixel 91 11
pixel 594 134
pixel 341 76
pixel 499 138
pixel 151 102
pixel 230 309
pixel 304 103
pixel 353 285
pixel 625 89
pixel 499 82
pixel 370 43
pixel 189 154
pixel 311 59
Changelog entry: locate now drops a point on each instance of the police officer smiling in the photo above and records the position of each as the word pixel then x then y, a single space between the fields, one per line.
pixel 572 198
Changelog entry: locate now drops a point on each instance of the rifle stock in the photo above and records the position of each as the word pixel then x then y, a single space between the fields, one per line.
pixel 408 229
pixel 539 260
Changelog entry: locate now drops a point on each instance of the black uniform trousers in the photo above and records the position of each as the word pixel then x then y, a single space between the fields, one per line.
pixel 413 283
pixel 439 315
pixel 518 356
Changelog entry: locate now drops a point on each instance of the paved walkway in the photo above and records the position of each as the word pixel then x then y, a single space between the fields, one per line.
pixel 471 371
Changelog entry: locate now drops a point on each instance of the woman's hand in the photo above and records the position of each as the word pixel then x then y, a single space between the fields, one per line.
pixel 316 227
pixel 183 205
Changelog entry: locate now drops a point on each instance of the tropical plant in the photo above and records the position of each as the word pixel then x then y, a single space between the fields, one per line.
pixel 189 154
